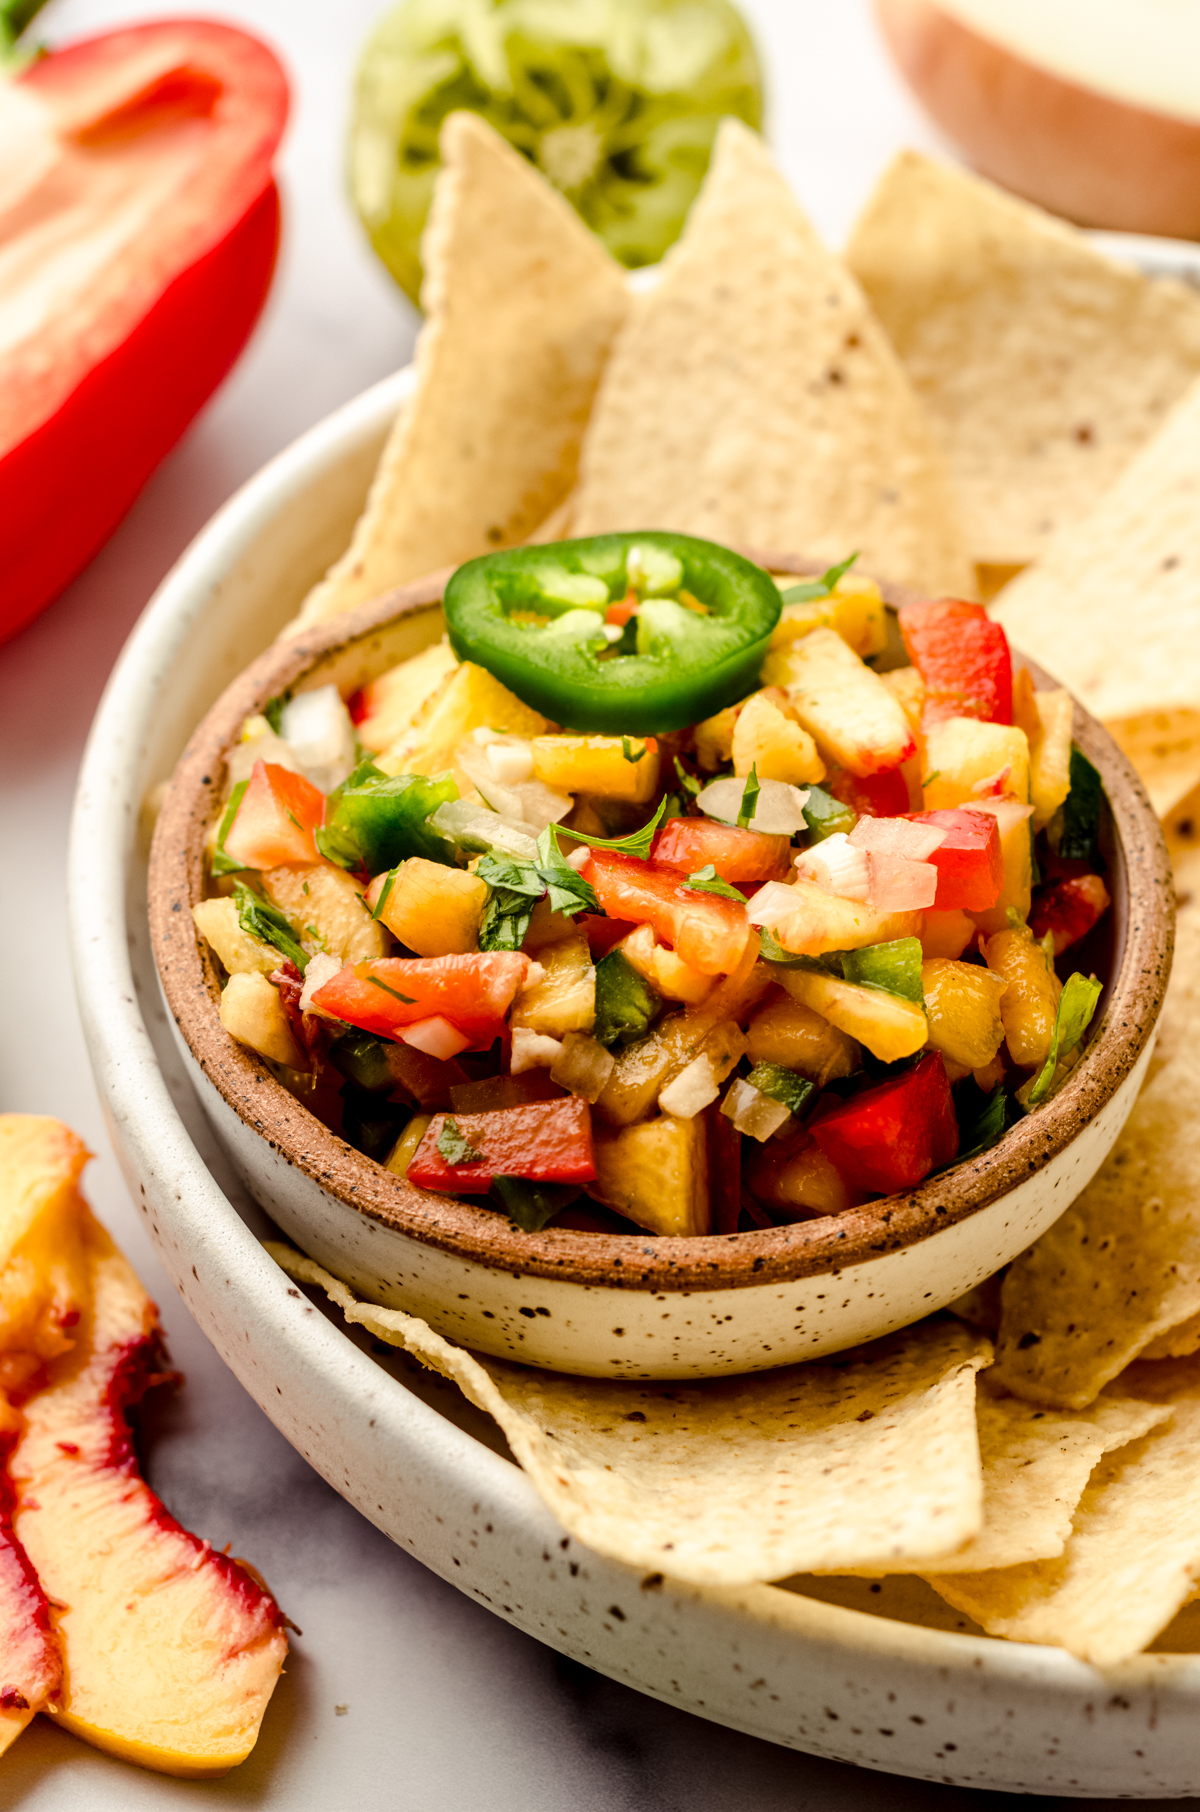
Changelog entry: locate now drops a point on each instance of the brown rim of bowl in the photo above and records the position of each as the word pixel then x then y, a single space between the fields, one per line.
pixel 713 1261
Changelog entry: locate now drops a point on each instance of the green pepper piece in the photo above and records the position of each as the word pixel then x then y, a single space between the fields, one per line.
pixel 825 815
pixel 370 1124
pixel 1079 839
pixel 626 1004
pixel 365 1061
pixel 795 1092
pixel 374 820
pixel 530 1205
pixel 894 967
pixel 617 102
pixel 689 663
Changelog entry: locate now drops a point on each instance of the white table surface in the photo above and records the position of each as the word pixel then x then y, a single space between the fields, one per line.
pixel 400 1692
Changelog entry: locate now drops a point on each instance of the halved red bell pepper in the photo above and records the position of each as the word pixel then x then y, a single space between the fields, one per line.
pixel 472 992
pixel 143 170
pixel 275 821
pixel 890 1137
pixel 545 1141
pixel 963 657
pixel 689 844
pixel 706 931
pixel 1069 909
pixel 970 863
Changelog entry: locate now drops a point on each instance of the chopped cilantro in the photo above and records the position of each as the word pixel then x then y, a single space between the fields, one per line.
pixel 627 750
pixel 637 843
pixel 749 798
pixel 386 889
pixel 707 880
pixel 688 782
pixel 1076 1005
pixel 259 919
pixel 812 589
pixel 405 999
pixel 222 864
pixel 454 1147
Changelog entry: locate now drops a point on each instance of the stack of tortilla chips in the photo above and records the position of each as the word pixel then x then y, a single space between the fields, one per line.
pixel 975 397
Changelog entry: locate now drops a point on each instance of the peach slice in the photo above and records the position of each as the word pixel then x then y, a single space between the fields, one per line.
pixel 43 1274
pixel 171 1650
pixel 30 1660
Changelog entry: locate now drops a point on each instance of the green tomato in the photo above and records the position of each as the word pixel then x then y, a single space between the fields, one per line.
pixel 616 101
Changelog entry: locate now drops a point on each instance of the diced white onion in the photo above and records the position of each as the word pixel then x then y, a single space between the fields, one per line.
pixel 317 727
pixel 778 810
pixel 838 867
pixel 436 1037
pixel 774 901
pixel 578 858
pixel 752 1112
pixel 527 802
pixel 897 837
pixel 692 1089
pixel 583 1067
pixel 510 762
pixel 533 1050
pixel 320 969
pixel 261 745
pixel 898 885
pixel 466 823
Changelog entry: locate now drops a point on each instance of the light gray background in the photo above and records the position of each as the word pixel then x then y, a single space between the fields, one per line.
pixel 447 1709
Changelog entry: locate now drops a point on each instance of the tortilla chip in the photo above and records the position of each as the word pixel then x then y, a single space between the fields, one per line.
pixel 753 398
pixel 522 303
pixel 1121 1268
pixel 1111 609
pixel 871 1457
pixel 1044 364
pixel 1164 747
pixel 1133 1554
pixel 1036 1463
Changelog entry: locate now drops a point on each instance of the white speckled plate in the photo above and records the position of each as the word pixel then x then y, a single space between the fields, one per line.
pixel 888 1678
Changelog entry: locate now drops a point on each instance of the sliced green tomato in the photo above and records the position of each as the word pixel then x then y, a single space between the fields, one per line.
pixel 522 614
pixel 616 101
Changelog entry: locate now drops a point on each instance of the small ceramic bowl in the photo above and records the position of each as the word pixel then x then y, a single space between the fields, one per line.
pixel 631 1305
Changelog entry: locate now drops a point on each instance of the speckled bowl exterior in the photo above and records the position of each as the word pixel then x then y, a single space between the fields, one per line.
pixel 897 1687
pixel 632 1305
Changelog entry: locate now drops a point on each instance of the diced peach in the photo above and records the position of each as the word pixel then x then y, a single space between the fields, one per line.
pixel 607 767
pixel 432 909
pixel 857 723
pixel 393 704
pixel 818 921
pixel 945 934
pixel 970 761
pixel 1030 1000
pixel 962 1004
pixel 768 738
pixel 792 1035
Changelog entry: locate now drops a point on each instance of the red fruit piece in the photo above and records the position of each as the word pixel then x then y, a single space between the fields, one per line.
pixel 545 1141
pixel 1069 909
pixel 877 796
pixel 963 657
pixel 276 819
pixel 890 1137
pixel 706 931
pixel 30 1661
pixel 970 862
pixel 689 844
pixel 471 992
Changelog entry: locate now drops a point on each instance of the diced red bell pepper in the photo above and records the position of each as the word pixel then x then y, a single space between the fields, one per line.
pixel 970 863
pixel 603 933
pixel 882 795
pixel 1069 909
pixel 706 931
pixel 150 150
pixel 890 1137
pixel 689 844
pixel 963 657
pixel 472 992
pixel 276 819
pixel 546 1141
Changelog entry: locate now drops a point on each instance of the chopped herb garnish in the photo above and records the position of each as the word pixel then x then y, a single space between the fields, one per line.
pixel 1076 1005
pixel 567 890
pixel 930 778
pixel 688 782
pixel 1079 839
pixel 637 843
pixel 405 999
pixel 707 880
pixel 812 589
pixel 384 892
pixel 259 919
pixel 749 798
pixel 222 864
pixel 627 750
pixel 273 710
pixel 454 1147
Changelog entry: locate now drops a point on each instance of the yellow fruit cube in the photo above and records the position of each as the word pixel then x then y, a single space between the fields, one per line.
pixel 607 767
pixel 237 952
pixel 669 974
pixel 821 921
pixel 252 1012
pixel 656 1174
pixel 856 721
pixel 564 1000
pixel 397 700
pixel 969 761
pixel 1016 849
pixel 327 909
pixel 433 909
pixel 888 1026
pixel 962 1004
pixel 794 1036
pixel 768 738
pixel 945 933
pixel 714 740
pixel 1050 776
pixel 908 689
pixel 473 700
pixel 405 1149
pixel 1029 1003
pixel 855 611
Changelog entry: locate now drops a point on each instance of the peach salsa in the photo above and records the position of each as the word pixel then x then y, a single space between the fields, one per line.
pixel 659 894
